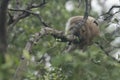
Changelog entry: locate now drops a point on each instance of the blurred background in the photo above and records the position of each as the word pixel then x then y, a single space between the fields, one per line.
pixel 93 64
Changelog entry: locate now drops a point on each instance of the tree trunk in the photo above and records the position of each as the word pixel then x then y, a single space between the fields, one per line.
pixel 3 38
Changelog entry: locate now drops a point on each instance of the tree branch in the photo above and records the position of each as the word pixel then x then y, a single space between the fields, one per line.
pixel 37 5
pixel 108 15
pixel 25 11
pixel 34 40
pixel 28 12
pixel 115 6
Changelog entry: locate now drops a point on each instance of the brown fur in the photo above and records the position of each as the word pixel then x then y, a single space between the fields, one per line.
pixel 87 32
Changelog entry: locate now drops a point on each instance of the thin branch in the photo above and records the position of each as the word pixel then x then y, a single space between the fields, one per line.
pixel 108 15
pixel 38 5
pixel 24 14
pixel 107 50
pixel 115 6
pixel 28 12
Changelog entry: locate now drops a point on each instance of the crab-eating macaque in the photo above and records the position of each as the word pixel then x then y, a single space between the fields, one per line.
pixel 85 33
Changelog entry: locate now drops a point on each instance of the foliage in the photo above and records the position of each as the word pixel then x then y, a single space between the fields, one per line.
pixel 92 64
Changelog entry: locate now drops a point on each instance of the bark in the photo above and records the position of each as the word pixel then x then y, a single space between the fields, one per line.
pixel 3 37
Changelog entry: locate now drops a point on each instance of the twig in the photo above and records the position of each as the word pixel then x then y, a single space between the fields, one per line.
pixel 24 15
pixel 108 15
pixel 28 12
pixel 36 6
pixel 107 51
pixel 115 6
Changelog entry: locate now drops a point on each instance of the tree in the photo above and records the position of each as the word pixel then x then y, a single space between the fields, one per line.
pixel 44 50
pixel 3 40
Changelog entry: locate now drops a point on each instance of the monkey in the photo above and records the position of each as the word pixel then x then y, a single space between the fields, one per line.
pixel 85 33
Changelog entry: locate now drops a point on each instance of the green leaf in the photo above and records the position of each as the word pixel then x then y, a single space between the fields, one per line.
pixel 26 54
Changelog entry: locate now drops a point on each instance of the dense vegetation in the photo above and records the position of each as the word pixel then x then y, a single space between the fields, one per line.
pixel 93 64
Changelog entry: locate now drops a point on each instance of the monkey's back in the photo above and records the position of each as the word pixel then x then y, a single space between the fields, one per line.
pixel 86 32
